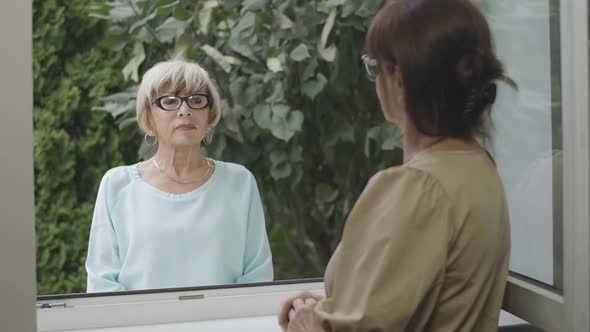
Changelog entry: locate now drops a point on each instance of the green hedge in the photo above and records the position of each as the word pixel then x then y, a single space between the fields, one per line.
pixel 74 146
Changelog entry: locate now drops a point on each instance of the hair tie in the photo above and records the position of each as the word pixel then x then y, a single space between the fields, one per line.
pixel 481 97
pixel 488 93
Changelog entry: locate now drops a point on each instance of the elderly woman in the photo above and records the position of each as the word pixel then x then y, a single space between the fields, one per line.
pixel 426 246
pixel 178 219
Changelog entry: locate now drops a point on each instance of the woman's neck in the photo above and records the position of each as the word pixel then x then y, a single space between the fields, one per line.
pixel 415 142
pixel 180 161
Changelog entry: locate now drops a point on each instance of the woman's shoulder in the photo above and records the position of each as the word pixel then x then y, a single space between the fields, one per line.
pixel 407 179
pixel 119 176
pixel 233 171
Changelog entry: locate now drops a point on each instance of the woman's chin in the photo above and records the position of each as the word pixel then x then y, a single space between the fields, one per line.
pixel 186 142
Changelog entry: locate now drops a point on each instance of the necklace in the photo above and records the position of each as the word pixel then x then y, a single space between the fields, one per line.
pixel 209 168
pixel 425 148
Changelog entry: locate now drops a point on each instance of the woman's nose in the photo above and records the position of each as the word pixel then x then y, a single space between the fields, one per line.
pixel 184 110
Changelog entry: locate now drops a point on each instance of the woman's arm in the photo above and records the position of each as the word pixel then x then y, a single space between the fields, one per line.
pixel 257 255
pixel 102 263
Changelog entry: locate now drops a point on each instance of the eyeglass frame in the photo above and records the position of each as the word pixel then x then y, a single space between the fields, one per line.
pixel 371 67
pixel 158 102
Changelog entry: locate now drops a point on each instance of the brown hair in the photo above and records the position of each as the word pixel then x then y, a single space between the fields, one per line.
pixel 447 62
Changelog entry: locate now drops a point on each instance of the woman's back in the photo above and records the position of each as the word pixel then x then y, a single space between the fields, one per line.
pixel 425 248
pixel 478 255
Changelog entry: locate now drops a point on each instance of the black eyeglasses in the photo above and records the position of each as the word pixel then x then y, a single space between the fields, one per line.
pixel 371 68
pixel 197 101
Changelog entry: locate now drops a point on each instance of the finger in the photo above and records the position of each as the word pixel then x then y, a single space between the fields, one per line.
pixel 298 304
pixel 286 306
pixel 307 294
pixel 310 301
pixel 283 315
pixel 291 314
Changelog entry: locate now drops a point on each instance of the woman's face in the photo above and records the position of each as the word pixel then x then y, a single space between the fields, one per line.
pixel 390 91
pixel 184 126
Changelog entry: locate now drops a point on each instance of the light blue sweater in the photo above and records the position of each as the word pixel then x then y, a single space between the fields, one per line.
pixel 143 238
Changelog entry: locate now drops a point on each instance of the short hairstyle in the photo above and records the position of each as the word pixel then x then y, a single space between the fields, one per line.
pixel 445 54
pixel 176 76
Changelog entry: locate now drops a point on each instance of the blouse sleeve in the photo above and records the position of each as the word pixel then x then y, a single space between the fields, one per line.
pixel 102 263
pixel 392 254
pixel 257 255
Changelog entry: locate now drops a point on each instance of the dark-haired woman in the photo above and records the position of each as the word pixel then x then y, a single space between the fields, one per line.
pixel 426 246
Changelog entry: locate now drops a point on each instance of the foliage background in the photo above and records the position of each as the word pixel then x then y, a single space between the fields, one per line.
pixel 297 111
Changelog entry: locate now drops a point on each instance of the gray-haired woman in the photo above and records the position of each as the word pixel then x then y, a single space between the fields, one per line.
pixel 178 219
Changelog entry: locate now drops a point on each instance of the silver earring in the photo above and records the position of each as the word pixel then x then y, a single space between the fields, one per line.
pixel 208 137
pixel 145 138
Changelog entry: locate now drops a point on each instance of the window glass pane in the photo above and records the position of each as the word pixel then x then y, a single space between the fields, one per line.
pixel 281 75
pixel 528 134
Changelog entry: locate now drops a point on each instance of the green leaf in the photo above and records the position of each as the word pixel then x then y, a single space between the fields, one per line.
pixel 285 122
pixel 263 116
pixel 280 167
pixel 324 193
pixel 253 5
pixel 340 131
pixel 205 19
pixel 300 53
pixel 335 3
pixel 245 27
pixel 328 54
pixel 349 8
pixel 170 29
pixel 284 21
pixel 274 64
pixel 130 70
pixel 169 5
pixel 121 12
pixel 385 137
pixel 242 48
pixel 225 62
pixel 369 8
pixel 312 88
pixel 237 87
pixel 310 69
pixel 296 154
pixel 116 109
pixel 278 93
pixel 282 122
pixel 141 22
pixel 182 14
pixel 328 28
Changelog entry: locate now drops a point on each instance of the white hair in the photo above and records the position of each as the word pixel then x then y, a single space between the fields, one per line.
pixel 175 76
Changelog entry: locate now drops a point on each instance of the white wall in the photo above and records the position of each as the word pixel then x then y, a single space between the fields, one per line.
pixel 17 255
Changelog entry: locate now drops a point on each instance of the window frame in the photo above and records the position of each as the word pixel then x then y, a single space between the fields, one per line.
pixel 17 241
pixel 142 308
pixel 543 307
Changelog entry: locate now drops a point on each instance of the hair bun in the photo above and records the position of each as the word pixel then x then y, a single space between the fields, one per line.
pixel 481 97
pixel 488 93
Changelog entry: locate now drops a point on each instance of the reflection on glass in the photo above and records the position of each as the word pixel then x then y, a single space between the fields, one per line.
pixel 528 137
pixel 296 112
pixel 177 219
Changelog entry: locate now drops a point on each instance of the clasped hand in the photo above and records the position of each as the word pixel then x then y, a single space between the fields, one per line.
pixel 297 313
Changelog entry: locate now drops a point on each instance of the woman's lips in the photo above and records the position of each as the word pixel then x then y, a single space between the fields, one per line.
pixel 185 127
